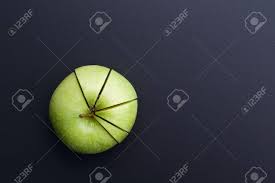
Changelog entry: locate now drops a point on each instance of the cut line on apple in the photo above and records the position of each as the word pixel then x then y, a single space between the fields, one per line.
pixel 93 109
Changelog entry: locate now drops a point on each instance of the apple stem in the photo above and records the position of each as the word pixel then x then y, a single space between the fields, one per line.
pixel 86 115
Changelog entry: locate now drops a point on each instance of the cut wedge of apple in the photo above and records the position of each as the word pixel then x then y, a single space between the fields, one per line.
pixel 123 115
pixel 93 109
pixel 91 80
pixel 117 84
pixel 118 134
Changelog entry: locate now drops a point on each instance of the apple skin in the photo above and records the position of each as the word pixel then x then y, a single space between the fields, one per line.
pixel 91 135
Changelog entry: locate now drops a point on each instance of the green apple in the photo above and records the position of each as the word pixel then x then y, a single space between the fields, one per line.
pixel 93 109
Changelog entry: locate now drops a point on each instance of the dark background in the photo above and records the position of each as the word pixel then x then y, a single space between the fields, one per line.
pixel 166 139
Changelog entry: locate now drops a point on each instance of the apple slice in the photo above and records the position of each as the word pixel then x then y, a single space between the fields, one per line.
pixel 81 134
pixel 121 115
pixel 92 79
pixel 118 133
pixel 117 90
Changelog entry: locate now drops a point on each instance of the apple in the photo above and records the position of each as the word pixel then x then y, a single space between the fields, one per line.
pixel 93 109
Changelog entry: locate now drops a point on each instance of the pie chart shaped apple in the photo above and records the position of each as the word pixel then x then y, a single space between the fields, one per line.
pixel 93 109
